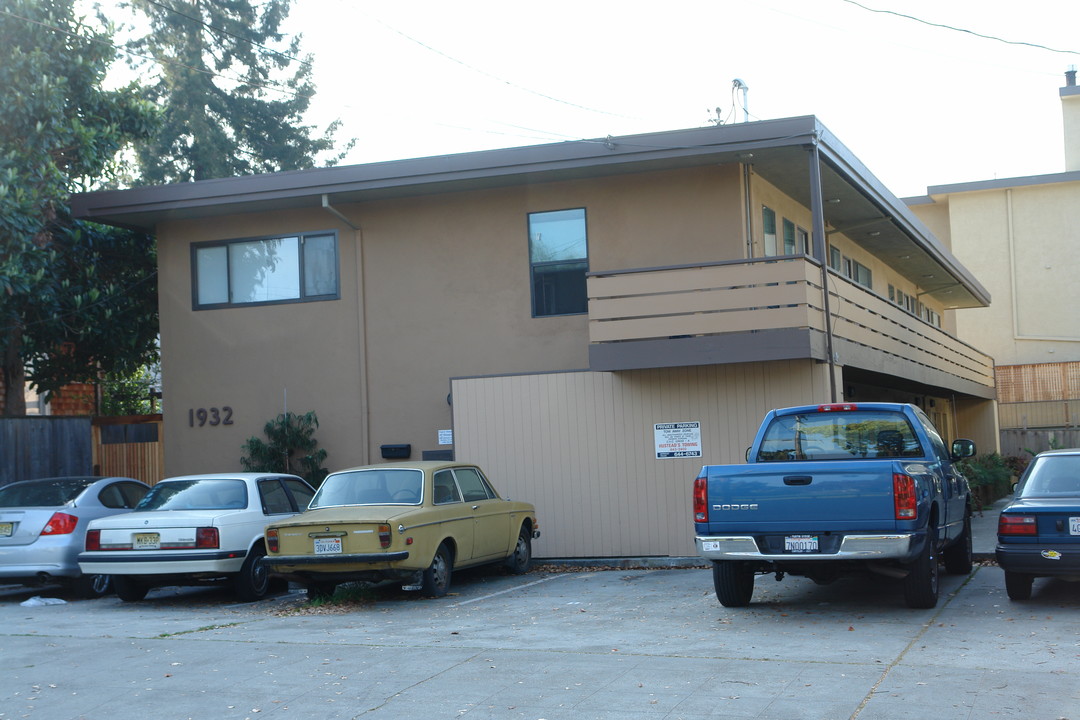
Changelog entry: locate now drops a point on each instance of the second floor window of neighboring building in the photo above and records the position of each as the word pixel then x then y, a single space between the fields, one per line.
pixel 559 260
pixel 287 269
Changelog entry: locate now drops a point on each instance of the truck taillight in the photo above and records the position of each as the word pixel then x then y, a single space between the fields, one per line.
pixel 1017 525
pixel 93 539
pixel 384 536
pixel 272 540
pixel 701 499
pixel 60 524
pixel 207 538
pixel 904 499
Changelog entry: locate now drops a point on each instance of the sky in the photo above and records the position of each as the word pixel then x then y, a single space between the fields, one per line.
pixel 919 105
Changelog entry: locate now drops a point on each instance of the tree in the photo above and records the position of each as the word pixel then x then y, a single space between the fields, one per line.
pixel 231 106
pixel 291 448
pixel 67 289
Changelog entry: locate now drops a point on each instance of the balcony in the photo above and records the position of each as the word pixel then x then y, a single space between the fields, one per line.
pixel 767 309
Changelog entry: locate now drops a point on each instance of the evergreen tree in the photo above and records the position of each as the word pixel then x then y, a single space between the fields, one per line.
pixel 72 295
pixel 233 91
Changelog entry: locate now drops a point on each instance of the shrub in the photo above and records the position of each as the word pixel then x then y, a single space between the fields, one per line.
pixel 291 448
pixel 988 475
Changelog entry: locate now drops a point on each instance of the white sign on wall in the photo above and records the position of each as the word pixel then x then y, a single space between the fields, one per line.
pixel 677 440
pixel 446 437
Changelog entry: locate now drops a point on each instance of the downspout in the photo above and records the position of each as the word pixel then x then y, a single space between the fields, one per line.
pixel 337 213
pixel 361 330
pixel 749 211
pixel 817 212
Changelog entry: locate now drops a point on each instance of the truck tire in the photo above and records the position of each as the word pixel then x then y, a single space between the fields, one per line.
pixel 733 582
pixel 958 555
pixel 921 583
pixel 1018 585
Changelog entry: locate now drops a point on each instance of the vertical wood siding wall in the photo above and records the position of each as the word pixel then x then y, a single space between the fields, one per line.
pixel 34 447
pixel 141 457
pixel 580 445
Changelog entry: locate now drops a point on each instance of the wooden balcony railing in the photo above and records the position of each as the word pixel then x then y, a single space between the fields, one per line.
pixel 721 299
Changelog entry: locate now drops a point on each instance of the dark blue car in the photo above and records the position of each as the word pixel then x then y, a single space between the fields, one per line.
pixel 1039 531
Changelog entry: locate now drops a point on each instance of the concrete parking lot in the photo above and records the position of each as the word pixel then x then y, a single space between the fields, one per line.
pixel 553 645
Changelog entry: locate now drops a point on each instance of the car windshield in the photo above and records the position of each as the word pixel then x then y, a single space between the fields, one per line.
pixel 396 486
pixel 839 435
pixel 1053 476
pixel 205 494
pixel 52 492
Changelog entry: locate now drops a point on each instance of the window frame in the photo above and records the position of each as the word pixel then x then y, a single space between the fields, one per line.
pixel 552 263
pixel 301 237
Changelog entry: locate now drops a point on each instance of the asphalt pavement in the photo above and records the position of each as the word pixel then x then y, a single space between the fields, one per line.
pixel 591 644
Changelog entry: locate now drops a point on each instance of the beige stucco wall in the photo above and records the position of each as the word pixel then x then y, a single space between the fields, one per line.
pixel 1021 243
pixel 431 288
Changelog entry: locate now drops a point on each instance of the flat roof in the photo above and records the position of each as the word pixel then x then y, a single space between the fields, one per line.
pixel 859 205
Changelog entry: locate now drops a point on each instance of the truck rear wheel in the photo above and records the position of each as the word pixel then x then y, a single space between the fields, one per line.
pixel 921 583
pixel 733 581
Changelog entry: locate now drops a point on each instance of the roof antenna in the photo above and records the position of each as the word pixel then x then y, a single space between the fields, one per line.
pixel 738 85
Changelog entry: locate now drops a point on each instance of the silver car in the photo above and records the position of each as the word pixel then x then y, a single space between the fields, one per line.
pixel 43 528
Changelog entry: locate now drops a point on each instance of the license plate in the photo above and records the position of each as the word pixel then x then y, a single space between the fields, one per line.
pixel 328 546
pixel 1074 526
pixel 147 541
pixel 801 544
pixel 6 529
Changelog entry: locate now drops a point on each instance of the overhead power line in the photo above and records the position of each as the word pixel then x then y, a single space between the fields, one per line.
pixel 961 30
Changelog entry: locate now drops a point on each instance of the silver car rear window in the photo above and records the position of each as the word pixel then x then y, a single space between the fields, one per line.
pixel 44 493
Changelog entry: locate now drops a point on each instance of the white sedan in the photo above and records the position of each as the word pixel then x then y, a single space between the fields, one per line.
pixel 194 530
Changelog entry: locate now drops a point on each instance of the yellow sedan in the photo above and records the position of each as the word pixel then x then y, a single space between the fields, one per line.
pixel 412 522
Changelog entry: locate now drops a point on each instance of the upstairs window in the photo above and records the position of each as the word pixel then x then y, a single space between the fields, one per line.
pixel 768 229
pixel 293 268
pixel 559 260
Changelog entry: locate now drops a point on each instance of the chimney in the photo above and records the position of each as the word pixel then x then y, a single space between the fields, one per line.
pixel 1070 113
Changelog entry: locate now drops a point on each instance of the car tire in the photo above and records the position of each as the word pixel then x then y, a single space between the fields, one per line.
pixel 921 583
pixel 320 590
pixel 436 579
pixel 1018 585
pixel 253 582
pixel 520 560
pixel 733 582
pixel 129 588
pixel 89 587
pixel 958 555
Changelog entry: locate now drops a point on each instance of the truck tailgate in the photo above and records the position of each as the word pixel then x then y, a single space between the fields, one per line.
pixel 837 496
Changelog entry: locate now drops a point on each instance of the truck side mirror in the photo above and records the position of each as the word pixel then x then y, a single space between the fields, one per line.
pixel 962 449
pixel 748 453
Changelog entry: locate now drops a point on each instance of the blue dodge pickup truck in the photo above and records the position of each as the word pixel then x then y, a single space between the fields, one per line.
pixel 833 489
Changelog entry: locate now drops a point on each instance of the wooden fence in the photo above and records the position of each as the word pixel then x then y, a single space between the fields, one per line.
pixel 45 446
pixel 52 446
pixel 130 446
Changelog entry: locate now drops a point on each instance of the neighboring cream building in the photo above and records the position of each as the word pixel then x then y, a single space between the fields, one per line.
pixel 1021 238
pixel 557 313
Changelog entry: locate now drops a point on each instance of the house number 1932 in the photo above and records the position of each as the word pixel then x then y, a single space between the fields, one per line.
pixel 210 416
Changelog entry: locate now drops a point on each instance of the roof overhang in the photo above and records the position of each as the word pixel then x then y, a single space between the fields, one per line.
pixel 854 202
